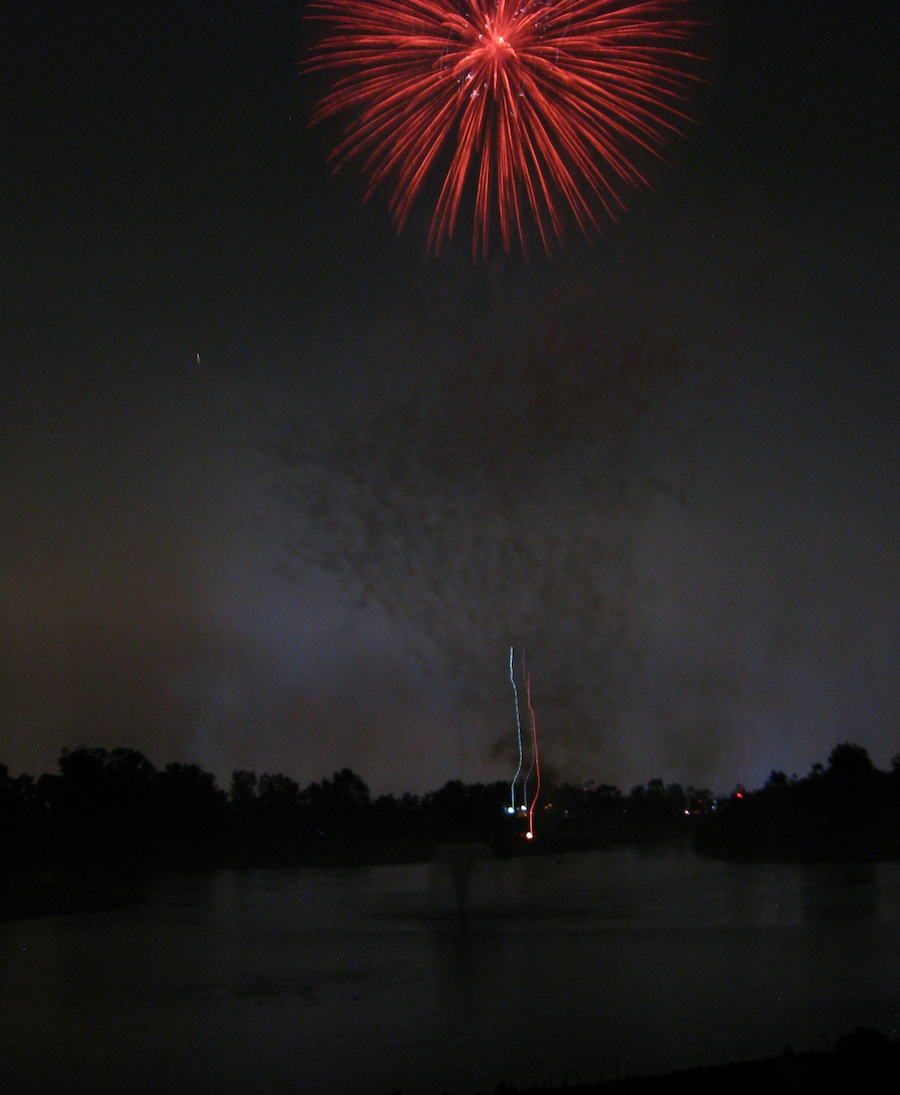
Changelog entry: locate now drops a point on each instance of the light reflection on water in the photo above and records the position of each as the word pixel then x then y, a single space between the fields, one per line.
pixel 364 980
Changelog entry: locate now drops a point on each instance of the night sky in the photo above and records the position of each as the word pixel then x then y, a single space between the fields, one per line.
pixel 664 462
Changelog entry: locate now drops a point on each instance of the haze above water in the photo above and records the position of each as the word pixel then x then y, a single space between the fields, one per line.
pixel 357 980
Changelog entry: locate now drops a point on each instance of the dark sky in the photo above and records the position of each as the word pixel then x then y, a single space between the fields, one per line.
pixel 665 462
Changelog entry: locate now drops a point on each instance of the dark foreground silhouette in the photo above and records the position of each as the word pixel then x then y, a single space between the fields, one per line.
pixel 864 1061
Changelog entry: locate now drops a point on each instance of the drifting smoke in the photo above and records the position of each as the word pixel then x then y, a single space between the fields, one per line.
pixel 505 497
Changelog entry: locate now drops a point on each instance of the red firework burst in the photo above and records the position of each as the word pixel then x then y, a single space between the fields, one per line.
pixel 546 105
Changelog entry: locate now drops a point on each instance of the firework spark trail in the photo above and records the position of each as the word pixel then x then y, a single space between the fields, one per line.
pixel 535 760
pixel 545 108
pixel 515 781
pixel 532 762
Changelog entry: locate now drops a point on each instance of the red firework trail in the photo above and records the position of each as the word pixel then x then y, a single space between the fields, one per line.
pixel 537 762
pixel 546 105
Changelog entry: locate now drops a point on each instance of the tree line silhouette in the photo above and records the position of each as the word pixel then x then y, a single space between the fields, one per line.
pixel 846 810
pixel 114 808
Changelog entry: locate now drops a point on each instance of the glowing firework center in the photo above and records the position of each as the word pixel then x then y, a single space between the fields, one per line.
pixel 547 110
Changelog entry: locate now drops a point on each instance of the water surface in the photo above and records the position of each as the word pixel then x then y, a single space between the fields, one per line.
pixel 344 981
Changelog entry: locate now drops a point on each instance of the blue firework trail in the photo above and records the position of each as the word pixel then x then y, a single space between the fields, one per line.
pixel 519 801
pixel 515 780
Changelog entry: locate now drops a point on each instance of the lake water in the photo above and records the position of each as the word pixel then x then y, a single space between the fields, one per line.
pixel 363 980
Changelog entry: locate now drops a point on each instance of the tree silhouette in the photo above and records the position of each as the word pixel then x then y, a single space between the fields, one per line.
pixel 114 809
pixel 340 805
pixel 850 765
pixel 847 810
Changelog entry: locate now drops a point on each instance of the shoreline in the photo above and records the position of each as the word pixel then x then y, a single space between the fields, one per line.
pixel 35 898
pixel 863 1060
